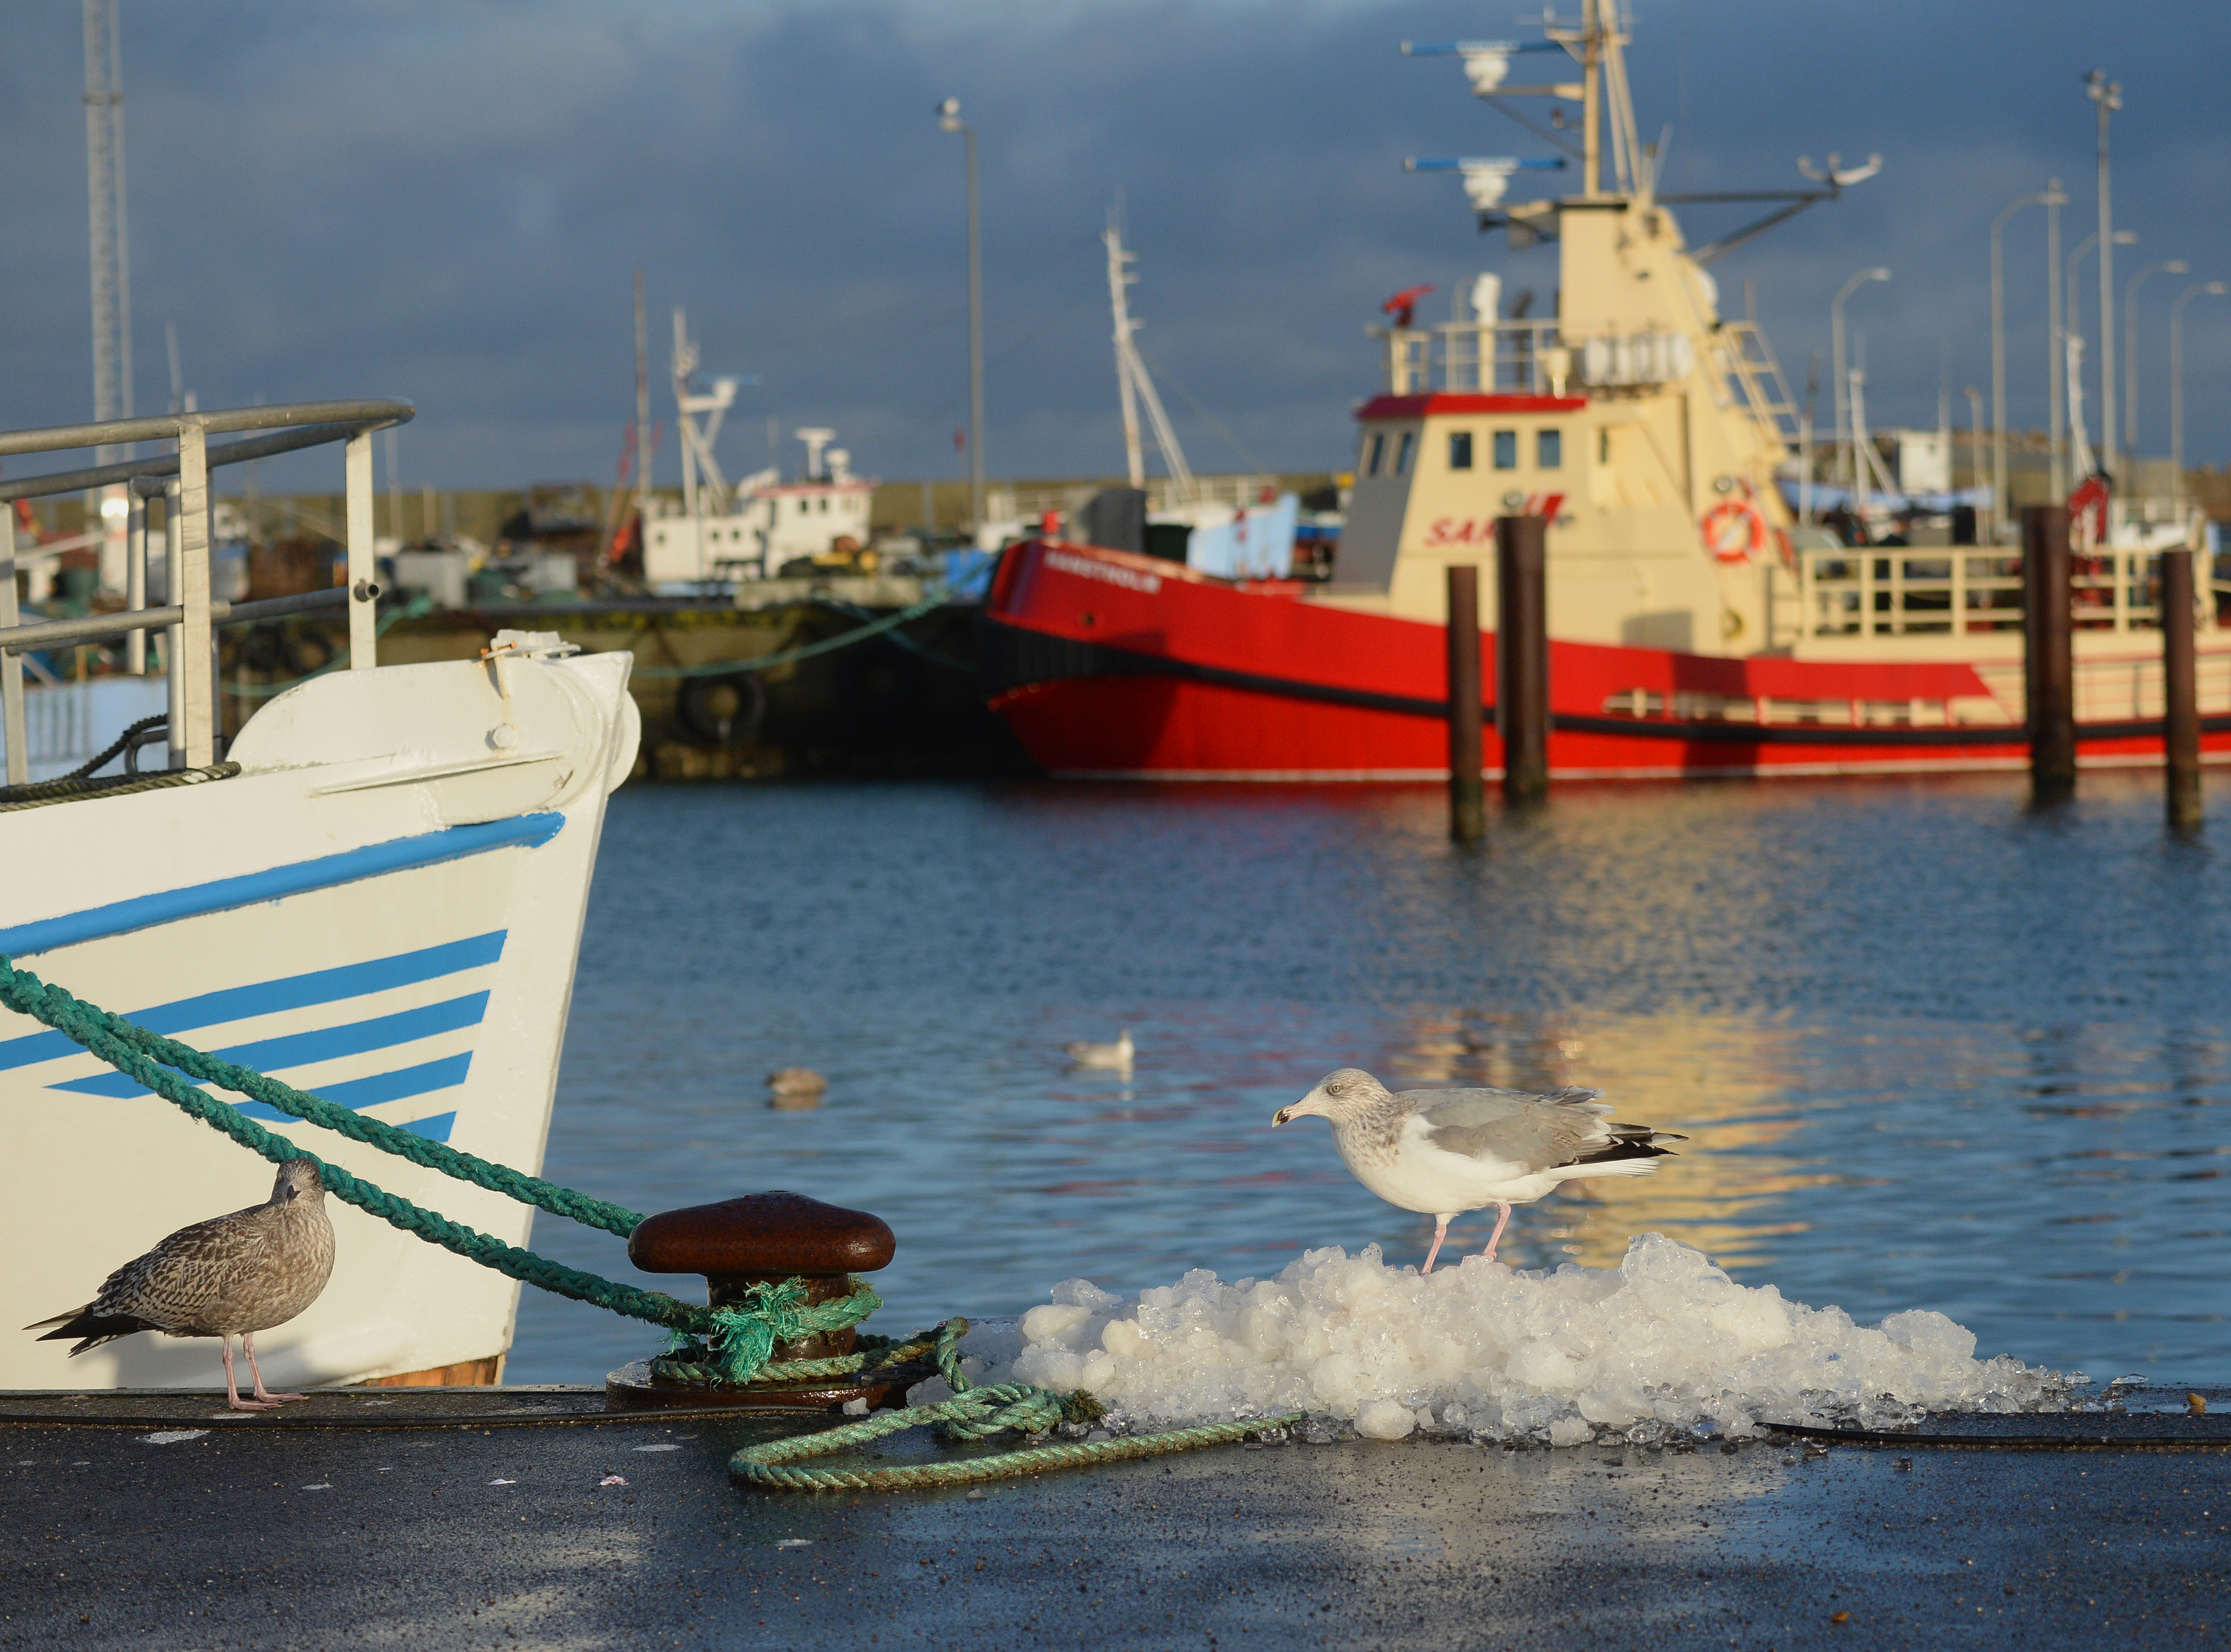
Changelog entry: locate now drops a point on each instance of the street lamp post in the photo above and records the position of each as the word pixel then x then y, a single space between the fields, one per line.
pixel 1836 335
pixel 2108 94
pixel 2055 199
pixel 1974 435
pixel 949 119
pixel 2213 289
pixel 2173 266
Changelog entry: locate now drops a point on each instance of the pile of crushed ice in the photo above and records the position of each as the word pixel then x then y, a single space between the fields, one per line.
pixel 1665 1345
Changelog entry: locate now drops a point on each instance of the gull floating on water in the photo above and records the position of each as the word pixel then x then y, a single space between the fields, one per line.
pixel 1117 1054
pixel 795 1089
pixel 232 1276
pixel 1444 1151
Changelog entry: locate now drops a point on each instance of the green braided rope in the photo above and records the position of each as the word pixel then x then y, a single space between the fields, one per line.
pixel 24 992
pixel 975 1414
pixel 876 1353
pixel 73 1017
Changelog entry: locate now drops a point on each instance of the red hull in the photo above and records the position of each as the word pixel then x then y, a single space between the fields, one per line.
pixel 1107 663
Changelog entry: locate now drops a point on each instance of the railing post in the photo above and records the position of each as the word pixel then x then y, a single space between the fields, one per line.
pixel 363 560
pixel 174 735
pixel 1467 799
pixel 189 584
pixel 1521 655
pixel 11 665
pixel 2180 693
pixel 135 581
pixel 2049 670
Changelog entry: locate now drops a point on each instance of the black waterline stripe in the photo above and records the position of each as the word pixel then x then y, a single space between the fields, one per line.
pixel 1128 664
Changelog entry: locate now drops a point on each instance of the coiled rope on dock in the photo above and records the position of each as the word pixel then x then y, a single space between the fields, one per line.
pixel 726 1347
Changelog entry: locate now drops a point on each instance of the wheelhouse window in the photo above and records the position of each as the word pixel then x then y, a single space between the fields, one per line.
pixel 1549 449
pixel 1402 453
pixel 1506 449
pixel 1459 451
pixel 1375 450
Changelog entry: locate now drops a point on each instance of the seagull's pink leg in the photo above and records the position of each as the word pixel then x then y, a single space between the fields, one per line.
pixel 232 1400
pixel 248 1344
pixel 1440 1232
pixel 1501 1222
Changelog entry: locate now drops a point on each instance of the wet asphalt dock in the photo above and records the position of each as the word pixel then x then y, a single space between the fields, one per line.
pixel 439 1534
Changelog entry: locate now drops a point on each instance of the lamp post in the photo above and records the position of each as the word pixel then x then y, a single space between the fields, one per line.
pixel 949 119
pixel 2213 289
pixel 2173 266
pixel 1974 435
pixel 2055 200
pixel 1836 335
pixel 2108 94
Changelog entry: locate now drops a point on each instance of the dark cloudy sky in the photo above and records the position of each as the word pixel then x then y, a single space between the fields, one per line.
pixel 443 199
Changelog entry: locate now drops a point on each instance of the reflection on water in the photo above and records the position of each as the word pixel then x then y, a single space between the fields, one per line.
pixel 1931 1051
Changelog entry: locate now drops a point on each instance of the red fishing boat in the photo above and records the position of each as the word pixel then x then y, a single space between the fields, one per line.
pixel 1697 626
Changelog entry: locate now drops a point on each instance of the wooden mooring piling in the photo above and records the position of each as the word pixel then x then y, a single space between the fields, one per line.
pixel 1467 793
pixel 2049 668
pixel 1522 655
pixel 2180 693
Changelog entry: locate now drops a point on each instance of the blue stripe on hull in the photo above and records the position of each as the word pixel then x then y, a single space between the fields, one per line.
pixel 276 883
pixel 268 998
pixel 327 1043
pixel 357 1095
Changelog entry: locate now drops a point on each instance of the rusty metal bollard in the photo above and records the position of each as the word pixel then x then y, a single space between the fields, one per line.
pixel 763 1238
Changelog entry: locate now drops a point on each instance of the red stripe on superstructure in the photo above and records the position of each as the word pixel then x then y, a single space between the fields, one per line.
pixel 1416 407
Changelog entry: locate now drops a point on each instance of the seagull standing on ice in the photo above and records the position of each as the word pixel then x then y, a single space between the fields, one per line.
pixel 1444 1152
pixel 232 1276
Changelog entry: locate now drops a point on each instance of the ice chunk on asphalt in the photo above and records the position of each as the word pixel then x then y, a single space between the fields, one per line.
pixel 1663 1344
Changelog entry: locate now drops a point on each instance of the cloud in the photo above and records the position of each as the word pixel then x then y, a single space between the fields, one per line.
pixel 446 203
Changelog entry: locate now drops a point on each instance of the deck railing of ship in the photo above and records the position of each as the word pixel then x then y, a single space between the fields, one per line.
pixel 189 621
pixel 1921 590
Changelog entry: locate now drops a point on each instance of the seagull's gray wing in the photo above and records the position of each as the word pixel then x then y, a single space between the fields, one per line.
pixel 1539 1131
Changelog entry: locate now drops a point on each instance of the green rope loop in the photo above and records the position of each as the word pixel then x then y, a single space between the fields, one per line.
pixel 767 1465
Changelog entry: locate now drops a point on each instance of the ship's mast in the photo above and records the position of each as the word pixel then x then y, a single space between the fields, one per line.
pixel 1119 301
pixel 1137 386
pixel 1604 102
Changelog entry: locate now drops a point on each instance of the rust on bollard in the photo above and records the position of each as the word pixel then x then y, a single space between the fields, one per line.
pixel 2048 665
pixel 763 1238
pixel 1521 655
pixel 1467 727
pixel 2180 693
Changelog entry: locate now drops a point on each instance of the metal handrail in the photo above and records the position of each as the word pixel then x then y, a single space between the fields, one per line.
pixel 146 475
pixel 167 426
pixel 16 639
pixel 193 618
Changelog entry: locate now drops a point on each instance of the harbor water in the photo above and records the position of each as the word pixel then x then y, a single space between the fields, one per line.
pixel 1930 1049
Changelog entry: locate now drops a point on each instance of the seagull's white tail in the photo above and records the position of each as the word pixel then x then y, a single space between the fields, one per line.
pixel 1606 1167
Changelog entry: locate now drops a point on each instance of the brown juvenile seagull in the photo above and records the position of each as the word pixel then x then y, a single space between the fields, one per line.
pixel 231 1276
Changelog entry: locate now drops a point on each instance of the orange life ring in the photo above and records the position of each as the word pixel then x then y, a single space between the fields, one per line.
pixel 1734 530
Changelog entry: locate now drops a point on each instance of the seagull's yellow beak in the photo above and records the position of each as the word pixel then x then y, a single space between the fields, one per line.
pixel 1280 1117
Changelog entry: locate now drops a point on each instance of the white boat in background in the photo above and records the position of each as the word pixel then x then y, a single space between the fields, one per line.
pixel 378 897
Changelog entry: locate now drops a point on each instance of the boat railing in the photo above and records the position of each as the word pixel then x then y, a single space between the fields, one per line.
pixel 190 617
pixel 1480 357
pixel 1901 591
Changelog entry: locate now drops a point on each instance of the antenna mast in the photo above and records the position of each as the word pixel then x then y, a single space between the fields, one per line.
pixel 111 256
pixel 1135 385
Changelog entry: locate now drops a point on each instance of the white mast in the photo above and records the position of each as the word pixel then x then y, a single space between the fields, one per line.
pixel 1134 383
pixel 1118 301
